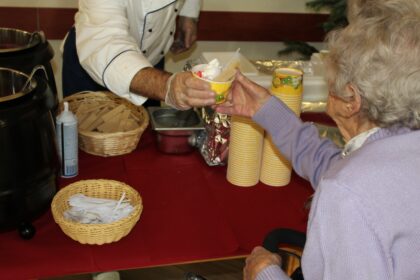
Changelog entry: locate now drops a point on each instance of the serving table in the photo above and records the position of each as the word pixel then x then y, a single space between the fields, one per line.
pixel 191 213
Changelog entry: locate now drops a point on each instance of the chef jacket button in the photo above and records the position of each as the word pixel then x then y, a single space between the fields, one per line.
pixel 162 52
pixel 176 10
pixel 144 51
pixel 150 30
pixel 171 33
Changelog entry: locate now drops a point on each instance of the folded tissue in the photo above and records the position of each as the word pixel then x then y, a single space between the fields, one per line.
pixel 90 210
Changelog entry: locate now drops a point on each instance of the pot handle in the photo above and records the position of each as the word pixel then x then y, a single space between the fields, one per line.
pixel 40 67
pixel 40 34
pixel 34 70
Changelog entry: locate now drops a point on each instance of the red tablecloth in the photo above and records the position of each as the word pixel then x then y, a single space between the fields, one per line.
pixel 190 213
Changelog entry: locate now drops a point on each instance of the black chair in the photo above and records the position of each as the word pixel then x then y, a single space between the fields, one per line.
pixel 276 241
pixel 277 238
pixel 194 276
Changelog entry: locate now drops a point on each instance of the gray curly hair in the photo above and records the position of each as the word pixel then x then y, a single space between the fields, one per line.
pixel 379 54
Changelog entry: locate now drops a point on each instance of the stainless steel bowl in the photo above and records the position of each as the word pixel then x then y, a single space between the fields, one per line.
pixel 176 130
pixel 12 40
pixel 12 83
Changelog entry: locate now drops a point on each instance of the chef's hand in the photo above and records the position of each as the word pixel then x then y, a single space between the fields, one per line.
pixel 245 98
pixel 259 259
pixel 186 34
pixel 184 91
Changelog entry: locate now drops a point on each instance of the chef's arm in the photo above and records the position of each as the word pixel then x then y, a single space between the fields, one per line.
pixel 191 8
pixel 186 26
pixel 106 50
pixel 180 90
pixel 150 82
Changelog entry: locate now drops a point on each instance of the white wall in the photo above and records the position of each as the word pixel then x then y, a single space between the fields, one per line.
pixel 251 50
pixel 271 6
pixel 56 64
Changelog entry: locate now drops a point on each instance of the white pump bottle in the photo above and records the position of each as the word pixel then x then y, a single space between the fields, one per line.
pixel 66 136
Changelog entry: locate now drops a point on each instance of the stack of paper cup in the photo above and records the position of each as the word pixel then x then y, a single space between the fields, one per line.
pixel 276 170
pixel 246 142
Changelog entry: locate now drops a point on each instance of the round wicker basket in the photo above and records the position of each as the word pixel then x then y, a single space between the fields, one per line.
pixel 113 143
pixel 96 234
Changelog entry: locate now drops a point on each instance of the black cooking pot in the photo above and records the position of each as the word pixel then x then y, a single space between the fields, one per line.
pixel 22 50
pixel 28 154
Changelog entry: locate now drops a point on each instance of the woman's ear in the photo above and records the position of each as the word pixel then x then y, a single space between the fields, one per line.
pixel 354 104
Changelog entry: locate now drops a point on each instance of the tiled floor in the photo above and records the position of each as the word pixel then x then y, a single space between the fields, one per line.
pixel 216 270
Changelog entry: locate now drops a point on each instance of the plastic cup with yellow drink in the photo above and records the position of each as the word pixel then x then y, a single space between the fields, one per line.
pixel 211 73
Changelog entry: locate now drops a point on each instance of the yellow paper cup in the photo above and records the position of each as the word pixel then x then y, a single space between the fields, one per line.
pixel 287 81
pixel 220 88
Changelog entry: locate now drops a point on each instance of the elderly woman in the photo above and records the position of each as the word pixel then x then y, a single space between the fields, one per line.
pixel 364 220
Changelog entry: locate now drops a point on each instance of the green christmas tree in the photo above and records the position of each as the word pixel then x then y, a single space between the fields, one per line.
pixel 337 10
pixel 337 18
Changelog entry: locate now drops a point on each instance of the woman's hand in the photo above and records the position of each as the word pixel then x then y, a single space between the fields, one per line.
pixel 245 98
pixel 259 259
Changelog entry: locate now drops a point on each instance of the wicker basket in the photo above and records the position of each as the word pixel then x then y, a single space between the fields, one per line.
pixel 96 233
pixel 108 144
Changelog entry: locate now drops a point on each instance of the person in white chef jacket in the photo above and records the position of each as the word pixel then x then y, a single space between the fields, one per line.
pixel 120 45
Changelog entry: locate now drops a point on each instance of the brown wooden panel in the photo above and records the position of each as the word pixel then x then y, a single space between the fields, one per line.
pixel 56 22
pixel 213 26
pixel 228 26
pixel 20 18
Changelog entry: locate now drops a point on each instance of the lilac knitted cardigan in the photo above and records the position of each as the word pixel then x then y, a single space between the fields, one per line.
pixel 364 221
